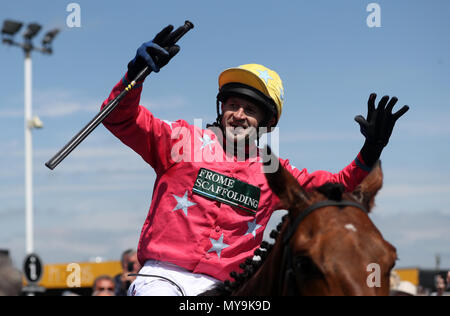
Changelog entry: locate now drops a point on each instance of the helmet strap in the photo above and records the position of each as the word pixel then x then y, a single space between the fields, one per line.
pixel 218 122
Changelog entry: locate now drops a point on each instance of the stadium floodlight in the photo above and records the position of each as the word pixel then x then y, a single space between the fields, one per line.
pixel 11 27
pixel 32 30
pixel 47 41
pixel 49 37
pixel 35 122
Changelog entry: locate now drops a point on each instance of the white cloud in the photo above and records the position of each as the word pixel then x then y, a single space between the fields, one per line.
pixel 298 135
pixel 414 190
pixel 10 113
pixel 62 103
pixel 424 124
pixel 418 236
pixel 55 103
pixel 104 151
pixel 164 103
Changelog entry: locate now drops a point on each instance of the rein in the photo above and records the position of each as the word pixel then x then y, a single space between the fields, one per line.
pixel 159 277
pixel 287 266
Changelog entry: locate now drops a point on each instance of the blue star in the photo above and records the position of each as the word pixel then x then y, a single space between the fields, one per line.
pixel 264 75
pixel 252 227
pixel 207 141
pixel 217 245
pixel 281 94
pixel 183 203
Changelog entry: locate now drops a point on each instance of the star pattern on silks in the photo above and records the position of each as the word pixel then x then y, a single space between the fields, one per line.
pixel 252 227
pixel 183 203
pixel 217 245
pixel 169 123
pixel 281 94
pixel 207 141
pixel 264 75
pixel 259 146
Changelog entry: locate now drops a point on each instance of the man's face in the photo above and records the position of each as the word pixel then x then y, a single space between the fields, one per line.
pixel 104 287
pixel 133 263
pixel 130 263
pixel 439 282
pixel 240 118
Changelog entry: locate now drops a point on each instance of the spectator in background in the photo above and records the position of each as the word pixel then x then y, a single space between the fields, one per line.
pixel 448 281
pixel 103 286
pixel 10 277
pixel 10 280
pixel 422 291
pixel 439 283
pixel 404 288
pixel 130 264
pixel 394 280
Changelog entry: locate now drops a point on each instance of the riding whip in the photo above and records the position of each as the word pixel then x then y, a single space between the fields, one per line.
pixel 83 133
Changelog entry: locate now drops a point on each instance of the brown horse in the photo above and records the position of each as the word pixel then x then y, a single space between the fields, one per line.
pixel 327 244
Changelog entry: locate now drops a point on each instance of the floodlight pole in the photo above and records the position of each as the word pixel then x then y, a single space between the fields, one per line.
pixel 29 122
pixel 29 232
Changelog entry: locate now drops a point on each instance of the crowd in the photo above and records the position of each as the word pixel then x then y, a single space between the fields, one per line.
pixel 10 277
pixel 105 285
pixel 442 289
pixel 405 288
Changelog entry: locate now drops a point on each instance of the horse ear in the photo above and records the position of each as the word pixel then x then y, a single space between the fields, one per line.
pixel 284 185
pixel 365 192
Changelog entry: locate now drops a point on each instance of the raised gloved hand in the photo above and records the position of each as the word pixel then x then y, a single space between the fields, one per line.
pixel 378 126
pixel 156 53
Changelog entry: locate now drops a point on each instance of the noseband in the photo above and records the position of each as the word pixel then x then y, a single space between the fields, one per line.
pixel 287 266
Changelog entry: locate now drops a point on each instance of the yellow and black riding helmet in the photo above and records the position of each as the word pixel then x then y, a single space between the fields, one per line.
pixel 257 83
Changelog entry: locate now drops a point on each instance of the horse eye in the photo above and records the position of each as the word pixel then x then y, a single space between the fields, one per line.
pixel 306 267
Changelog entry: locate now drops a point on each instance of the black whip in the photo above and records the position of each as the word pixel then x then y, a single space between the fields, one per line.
pixel 83 133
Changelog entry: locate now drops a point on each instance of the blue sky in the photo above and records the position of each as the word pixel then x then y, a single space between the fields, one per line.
pixel 96 201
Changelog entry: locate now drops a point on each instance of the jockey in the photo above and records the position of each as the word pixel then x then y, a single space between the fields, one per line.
pixel 210 205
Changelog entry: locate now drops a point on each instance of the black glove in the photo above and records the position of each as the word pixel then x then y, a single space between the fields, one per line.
pixel 156 53
pixel 378 126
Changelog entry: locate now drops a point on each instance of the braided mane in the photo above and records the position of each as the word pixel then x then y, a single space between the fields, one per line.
pixel 250 266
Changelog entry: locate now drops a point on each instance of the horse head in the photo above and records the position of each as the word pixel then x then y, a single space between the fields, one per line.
pixel 328 243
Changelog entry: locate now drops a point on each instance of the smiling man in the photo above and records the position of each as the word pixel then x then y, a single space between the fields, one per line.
pixel 208 215
pixel 240 119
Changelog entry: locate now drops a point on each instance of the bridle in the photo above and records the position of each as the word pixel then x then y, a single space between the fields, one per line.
pixel 287 273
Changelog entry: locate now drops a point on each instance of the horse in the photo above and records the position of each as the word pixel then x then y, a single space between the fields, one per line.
pixel 325 245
